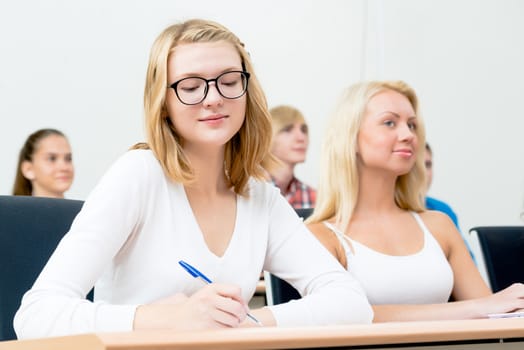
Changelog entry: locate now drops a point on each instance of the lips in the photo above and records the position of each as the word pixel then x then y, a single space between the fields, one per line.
pixel 64 178
pixel 404 152
pixel 212 118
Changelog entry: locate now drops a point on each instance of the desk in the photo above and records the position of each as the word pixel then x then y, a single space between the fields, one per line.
pixel 469 334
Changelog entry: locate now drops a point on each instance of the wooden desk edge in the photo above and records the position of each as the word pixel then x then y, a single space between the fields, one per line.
pixel 274 338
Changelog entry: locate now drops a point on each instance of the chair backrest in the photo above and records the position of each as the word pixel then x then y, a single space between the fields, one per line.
pixel 30 229
pixel 503 251
pixel 304 213
pixel 279 291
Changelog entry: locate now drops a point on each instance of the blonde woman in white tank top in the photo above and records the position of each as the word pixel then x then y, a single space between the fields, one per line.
pixel 370 214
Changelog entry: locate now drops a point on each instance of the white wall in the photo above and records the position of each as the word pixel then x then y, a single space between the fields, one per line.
pixel 464 58
pixel 80 66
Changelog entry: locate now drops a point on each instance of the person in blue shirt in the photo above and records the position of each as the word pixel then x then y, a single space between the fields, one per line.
pixel 437 204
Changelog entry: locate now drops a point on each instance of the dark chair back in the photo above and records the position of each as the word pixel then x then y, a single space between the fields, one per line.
pixel 281 291
pixel 503 251
pixel 278 291
pixel 304 213
pixel 30 229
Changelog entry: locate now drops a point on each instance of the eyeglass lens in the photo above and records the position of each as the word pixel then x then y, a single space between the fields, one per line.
pixel 193 90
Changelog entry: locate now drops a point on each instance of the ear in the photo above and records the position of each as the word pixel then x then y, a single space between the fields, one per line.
pixel 27 170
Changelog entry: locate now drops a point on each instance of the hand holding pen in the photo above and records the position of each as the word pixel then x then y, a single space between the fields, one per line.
pixel 197 274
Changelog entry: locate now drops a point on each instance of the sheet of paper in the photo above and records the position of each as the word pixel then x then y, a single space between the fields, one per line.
pixel 507 315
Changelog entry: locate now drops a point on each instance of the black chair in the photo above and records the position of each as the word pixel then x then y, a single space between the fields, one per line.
pixel 503 251
pixel 279 291
pixel 30 229
pixel 304 213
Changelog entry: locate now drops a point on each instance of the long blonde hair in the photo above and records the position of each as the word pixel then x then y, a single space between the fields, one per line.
pixel 247 153
pixel 339 181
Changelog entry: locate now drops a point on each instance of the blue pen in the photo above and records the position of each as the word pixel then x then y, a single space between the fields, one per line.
pixel 197 274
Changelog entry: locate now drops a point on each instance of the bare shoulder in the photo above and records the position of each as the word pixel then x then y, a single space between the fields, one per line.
pixel 329 240
pixel 436 218
pixel 321 231
pixel 441 227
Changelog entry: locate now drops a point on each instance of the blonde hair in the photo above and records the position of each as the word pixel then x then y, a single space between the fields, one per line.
pixel 339 181
pixel 247 153
pixel 283 116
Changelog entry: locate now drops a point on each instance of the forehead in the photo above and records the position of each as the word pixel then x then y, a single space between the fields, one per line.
pixel 203 59
pixel 53 144
pixel 289 120
pixel 391 101
pixel 291 123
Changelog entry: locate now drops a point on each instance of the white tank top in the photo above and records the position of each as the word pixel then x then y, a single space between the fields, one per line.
pixel 421 278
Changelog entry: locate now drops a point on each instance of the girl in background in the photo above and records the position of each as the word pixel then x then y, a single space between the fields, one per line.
pixel 45 165
pixel 289 145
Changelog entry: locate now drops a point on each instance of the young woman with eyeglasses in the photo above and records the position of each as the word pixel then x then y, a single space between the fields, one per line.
pixel 195 192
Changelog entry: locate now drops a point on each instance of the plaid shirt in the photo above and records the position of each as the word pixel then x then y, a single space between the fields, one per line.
pixel 300 195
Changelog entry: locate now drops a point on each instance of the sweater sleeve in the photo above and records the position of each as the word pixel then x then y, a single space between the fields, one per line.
pixel 56 304
pixel 330 294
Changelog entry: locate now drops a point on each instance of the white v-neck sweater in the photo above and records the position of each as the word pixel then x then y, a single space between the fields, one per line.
pixel 137 224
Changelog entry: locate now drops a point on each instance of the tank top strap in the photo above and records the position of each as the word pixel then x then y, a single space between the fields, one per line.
pixel 342 238
pixel 420 223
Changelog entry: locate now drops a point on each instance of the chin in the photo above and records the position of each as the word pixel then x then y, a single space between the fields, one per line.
pixel 403 172
pixel 62 189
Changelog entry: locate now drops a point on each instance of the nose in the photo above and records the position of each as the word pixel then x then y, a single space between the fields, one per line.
pixel 406 133
pixel 295 130
pixel 65 164
pixel 298 133
pixel 213 96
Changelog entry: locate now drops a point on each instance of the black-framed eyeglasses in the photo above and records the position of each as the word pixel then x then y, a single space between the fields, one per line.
pixel 193 90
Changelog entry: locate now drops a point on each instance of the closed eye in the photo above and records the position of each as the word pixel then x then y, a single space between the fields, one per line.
pixel 189 89
pixel 230 83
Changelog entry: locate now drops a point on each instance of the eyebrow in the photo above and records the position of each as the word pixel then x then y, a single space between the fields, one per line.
pixel 396 115
pixel 58 153
pixel 200 75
